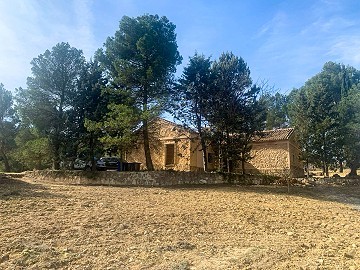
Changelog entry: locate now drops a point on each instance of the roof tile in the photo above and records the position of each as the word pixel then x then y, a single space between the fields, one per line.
pixel 274 135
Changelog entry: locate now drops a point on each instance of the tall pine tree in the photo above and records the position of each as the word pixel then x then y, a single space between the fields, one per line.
pixel 141 60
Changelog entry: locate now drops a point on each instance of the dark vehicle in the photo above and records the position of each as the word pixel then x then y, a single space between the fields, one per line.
pixel 111 163
pixel 80 164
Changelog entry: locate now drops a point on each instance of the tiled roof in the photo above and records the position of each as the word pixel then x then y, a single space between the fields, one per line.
pixel 274 135
pixel 263 136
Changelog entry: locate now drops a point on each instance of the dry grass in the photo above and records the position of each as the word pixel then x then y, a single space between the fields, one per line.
pixel 46 226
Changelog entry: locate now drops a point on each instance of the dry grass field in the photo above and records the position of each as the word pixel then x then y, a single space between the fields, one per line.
pixel 46 226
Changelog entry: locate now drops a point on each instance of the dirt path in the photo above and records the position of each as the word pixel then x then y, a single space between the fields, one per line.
pixel 44 226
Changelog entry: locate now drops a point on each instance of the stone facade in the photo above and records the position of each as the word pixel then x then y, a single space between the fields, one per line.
pixel 169 141
pixel 174 147
pixel 276 152
pixel 268 158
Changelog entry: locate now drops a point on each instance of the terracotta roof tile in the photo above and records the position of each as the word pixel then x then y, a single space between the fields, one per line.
pixel 274 135
pixel 264 136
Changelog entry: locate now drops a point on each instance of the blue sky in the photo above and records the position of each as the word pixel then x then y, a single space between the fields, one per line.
pixel 283 42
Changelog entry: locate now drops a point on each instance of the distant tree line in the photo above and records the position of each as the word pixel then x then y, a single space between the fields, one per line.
pixel 72 108
pixel 326 113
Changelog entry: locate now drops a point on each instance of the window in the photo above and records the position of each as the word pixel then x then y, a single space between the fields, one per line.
pixel 169 154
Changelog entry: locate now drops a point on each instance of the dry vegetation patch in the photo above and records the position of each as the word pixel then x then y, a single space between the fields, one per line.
pixel 45 226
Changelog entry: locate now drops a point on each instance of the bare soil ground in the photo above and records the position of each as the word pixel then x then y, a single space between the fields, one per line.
pixel 46 226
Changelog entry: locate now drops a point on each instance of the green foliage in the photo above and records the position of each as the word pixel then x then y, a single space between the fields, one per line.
pixel 322 112
pixel 234 113
pixel 218 100
pixel 118 128
pixel 140 60
pixel 192 98
pixel 50 96
pixel 33 150
pixel 210 99
pixel 89 104
pixel 350 114
pixel 276 110
pixel 72 108
pixel 7 127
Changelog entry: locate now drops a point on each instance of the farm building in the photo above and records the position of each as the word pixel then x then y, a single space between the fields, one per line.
pixel 172 147
pixel 177 148
pixel 276 152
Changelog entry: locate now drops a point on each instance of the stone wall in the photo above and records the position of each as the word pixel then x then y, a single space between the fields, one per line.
pixel 146 178
pixel 157 148
pixel 296 165
pixel 269 158
pixel 163 132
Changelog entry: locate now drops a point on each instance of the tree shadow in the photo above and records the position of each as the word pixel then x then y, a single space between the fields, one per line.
pixel 11 188
pixel 343 194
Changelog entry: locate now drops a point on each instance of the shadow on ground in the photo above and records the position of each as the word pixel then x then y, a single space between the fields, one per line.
pixel 342 194
pixel 11 187
pixel 15 188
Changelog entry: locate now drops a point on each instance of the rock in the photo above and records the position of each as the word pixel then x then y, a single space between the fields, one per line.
pixel 350 254
pixel 4 258
pixel 305 246
pixel 185 245
pixel 123 226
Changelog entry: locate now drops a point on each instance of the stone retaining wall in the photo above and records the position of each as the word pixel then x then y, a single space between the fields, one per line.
pixel 145 178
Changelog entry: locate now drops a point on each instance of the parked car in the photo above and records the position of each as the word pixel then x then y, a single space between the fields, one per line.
pixel 111 163
pixel 80 164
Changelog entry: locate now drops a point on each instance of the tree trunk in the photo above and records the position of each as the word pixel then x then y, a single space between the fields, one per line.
pixel 58 128
pixel 243 154
pixel 353 171
pixel 92 151
pixel 205 160
pixel 220 162
pixel 326 170
pixel 56 157
pixel 38 165
pixel 202 142
pixel 307 169
pixel 56 164
pixel 149 163
pixel 6 162
pixel 243 166
pixel 341 167
pixel 204 152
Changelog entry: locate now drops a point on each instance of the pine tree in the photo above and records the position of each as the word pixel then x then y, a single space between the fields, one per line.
pixel 141 60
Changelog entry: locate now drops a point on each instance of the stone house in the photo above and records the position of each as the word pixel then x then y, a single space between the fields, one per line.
pixel 276 152
pixel 174 147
